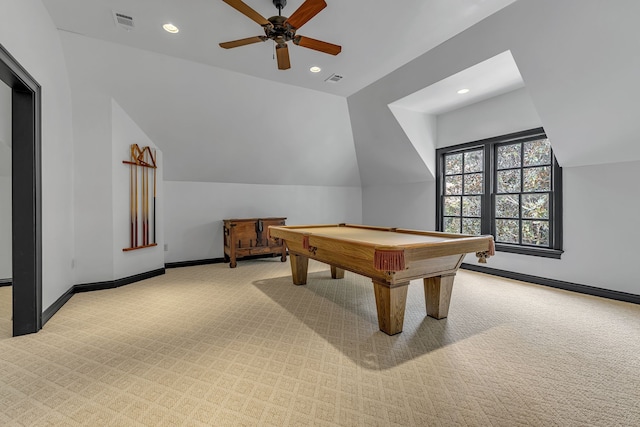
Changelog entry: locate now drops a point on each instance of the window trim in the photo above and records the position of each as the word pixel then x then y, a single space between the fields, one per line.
pixel 488 197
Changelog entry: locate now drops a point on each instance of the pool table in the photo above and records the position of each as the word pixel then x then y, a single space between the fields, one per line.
pixel 391 257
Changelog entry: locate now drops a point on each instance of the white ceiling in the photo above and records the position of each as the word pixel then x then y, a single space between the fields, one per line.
pixel 376 36
pixel 573 55
pixel 487 79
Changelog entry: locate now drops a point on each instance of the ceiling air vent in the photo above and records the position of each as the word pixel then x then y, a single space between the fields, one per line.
pixel 123 21
pixel 333 78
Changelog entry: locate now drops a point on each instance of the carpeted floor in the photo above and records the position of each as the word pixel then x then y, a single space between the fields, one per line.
pixel 210 345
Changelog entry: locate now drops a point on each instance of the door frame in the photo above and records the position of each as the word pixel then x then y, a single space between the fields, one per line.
pixel 26 194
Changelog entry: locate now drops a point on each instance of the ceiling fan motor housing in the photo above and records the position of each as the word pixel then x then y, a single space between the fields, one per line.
pixel 280 4
pixel 281 29
pixel 278 31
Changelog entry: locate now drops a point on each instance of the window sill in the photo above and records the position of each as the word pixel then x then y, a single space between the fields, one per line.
pixel 528 250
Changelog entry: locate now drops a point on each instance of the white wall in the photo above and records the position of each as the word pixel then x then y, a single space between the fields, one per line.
pixel 103 133
pixel 6 269
pixel 420 128
pixel 214 125
pixel 28 33
pixel 501 115
pixel 5 121
pixel 93 212
pixel 601 211
pixel 413 205
pixel 5 182
pixel 194 211
pixel 599 249
pixel 124 133
pixel 400 205
pixel 233 146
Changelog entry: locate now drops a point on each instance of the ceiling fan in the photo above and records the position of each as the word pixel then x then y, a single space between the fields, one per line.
pixel 281 29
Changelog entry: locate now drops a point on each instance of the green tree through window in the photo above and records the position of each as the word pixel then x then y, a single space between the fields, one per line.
pixel 463 187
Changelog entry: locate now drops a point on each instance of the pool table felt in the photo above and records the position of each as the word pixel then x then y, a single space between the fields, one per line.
pixel 373 237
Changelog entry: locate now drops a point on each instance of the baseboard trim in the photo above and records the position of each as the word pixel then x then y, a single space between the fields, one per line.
pixel 216 260
pixel 559 284
pixel 110 284
pixel 6 282
pixel 553 283
pixel 97 286
pixel 53 308
pixel 193 263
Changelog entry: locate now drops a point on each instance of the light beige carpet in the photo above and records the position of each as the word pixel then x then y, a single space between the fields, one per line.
pixel 210 345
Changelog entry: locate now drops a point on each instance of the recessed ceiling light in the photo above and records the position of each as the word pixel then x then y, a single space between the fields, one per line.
pixel 315 69
pixel 463 91
pixel 170 28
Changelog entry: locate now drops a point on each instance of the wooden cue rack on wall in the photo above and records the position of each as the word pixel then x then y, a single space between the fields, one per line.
pixel 142 199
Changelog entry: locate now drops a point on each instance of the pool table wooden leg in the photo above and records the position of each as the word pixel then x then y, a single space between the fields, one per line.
pixel 299 267
pixel 337 273
pixel 437 295
pixel 390 302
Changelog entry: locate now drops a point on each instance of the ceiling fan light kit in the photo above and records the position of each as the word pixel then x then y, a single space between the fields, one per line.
pixel 281 29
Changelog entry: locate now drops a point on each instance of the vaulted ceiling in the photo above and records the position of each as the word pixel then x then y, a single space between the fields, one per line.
pixel 376 36
pixel 577 63
pixel 230 116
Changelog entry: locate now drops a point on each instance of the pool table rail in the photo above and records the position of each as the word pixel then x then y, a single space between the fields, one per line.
pixel 425 259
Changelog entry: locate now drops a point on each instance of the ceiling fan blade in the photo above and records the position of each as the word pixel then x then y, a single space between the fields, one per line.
pixel 243 42
pixel 305 12
pixel 282 53
pixel 332 49
pixel 243 8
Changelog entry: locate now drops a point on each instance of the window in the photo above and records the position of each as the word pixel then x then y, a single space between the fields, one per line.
pixel 508 186
pixel 463 183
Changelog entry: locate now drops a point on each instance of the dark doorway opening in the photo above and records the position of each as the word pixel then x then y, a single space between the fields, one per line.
pixel 26 195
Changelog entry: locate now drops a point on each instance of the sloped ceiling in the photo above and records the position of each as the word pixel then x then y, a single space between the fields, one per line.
pixel 215 125
pixel 417 113
pixel 377 36
pixel 215 121
pixel 488 79
pixel 581 69
pixel 576 57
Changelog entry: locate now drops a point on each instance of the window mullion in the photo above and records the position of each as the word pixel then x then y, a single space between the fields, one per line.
pixel 487 200
pixel 552 236
pixel 462 192
pixel 520 219
pixel 440 191
pixel 556 180
pixel 520 223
